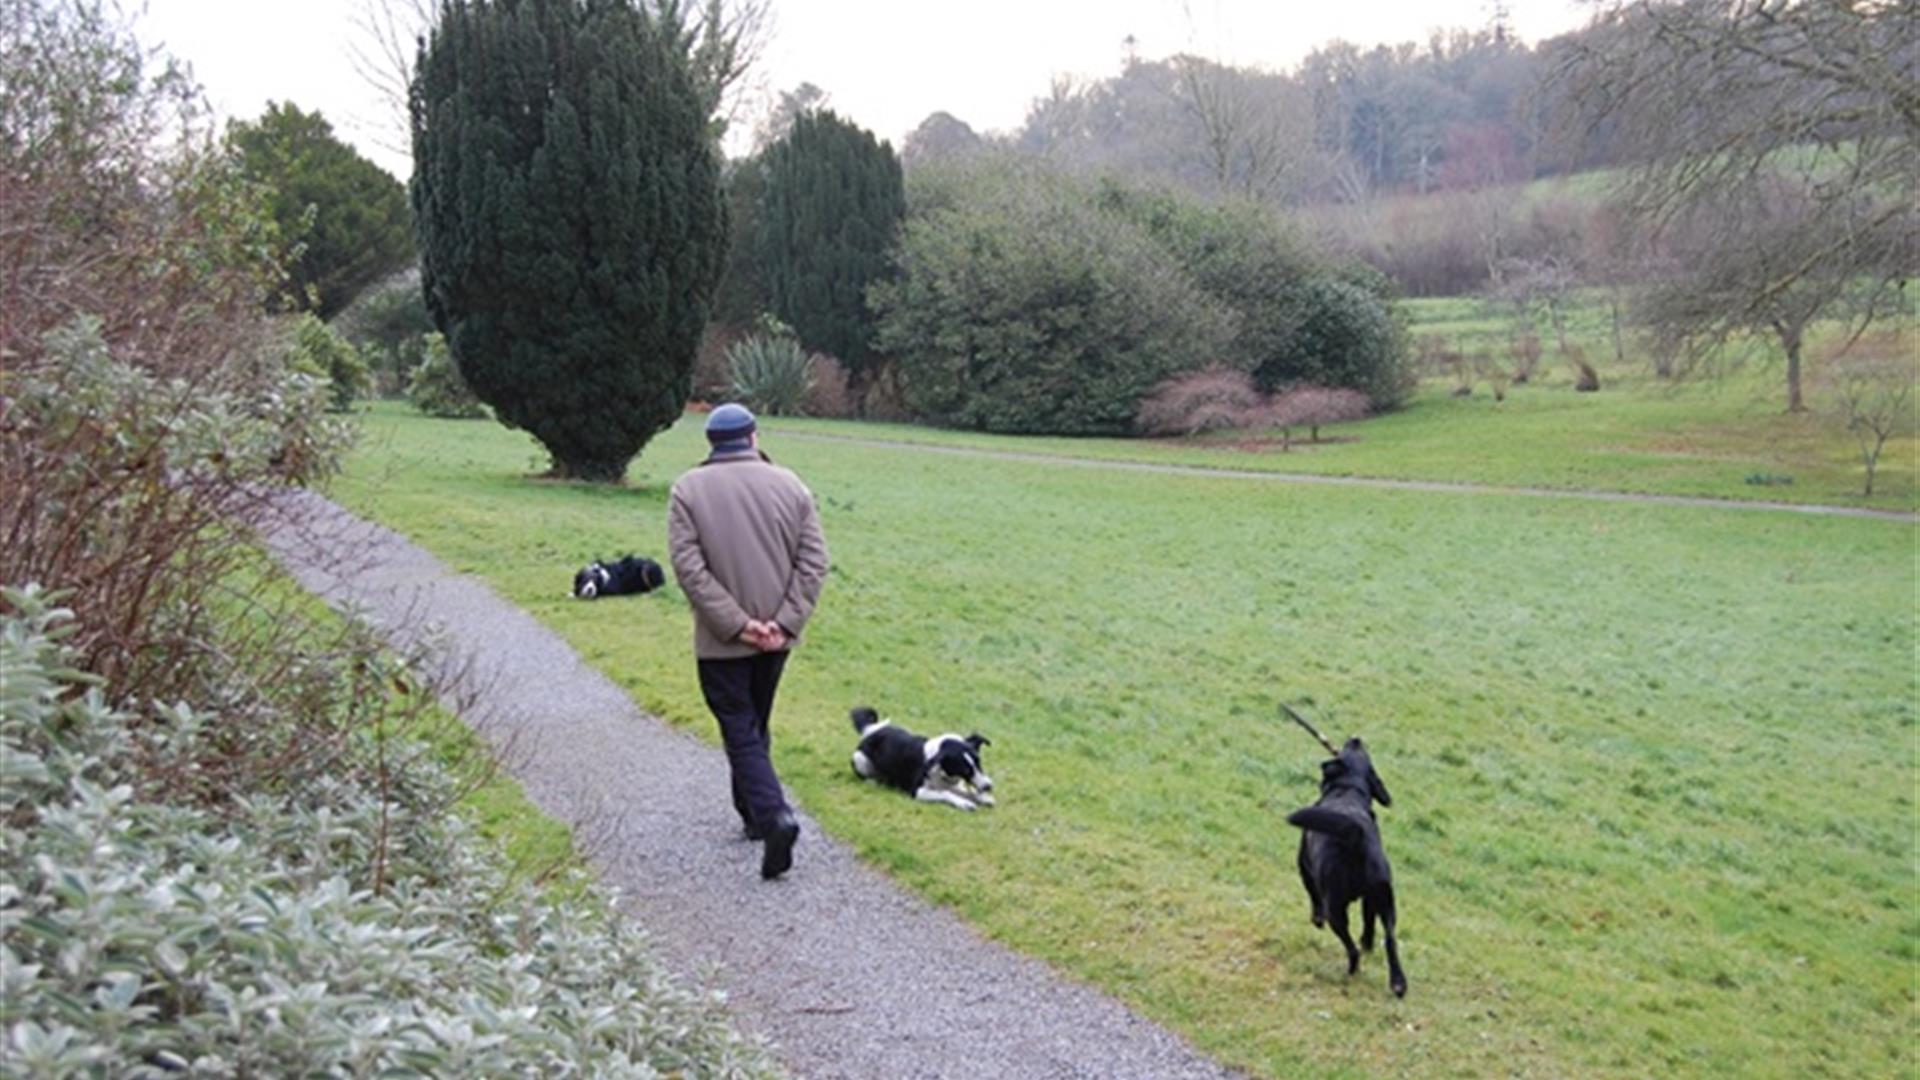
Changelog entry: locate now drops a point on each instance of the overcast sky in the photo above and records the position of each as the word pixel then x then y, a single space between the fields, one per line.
pixel 885 64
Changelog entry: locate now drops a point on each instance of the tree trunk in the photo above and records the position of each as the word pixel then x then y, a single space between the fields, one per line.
pixel 1559 321
pixel 593 472
pixel 1619 340
pixel 1790 339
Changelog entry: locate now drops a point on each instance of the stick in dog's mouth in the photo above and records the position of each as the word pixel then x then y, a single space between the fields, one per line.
pixel 1311 730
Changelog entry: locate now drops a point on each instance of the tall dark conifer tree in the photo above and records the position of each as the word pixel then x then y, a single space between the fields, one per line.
pixel 832 207
pixel 567 199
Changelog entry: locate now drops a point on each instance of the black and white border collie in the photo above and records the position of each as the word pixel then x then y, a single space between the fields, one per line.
pixel 631 574
pixel 945 768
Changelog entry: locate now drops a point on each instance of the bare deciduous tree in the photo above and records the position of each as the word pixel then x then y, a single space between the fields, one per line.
pixel 1546 285
pixel 788 107
pixel 724 39
pixel 1762 260
pixel 1873 395
pixel 1256 131
pixel 1776 142
pixel 387 34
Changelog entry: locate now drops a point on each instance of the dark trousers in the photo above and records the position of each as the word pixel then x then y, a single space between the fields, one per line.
pixel 740 693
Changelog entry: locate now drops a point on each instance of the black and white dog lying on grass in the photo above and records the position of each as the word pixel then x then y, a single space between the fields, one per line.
pixel 945 768
pixel 631 574
pixel 1342 859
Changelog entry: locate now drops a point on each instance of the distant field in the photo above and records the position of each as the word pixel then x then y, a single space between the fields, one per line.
pixel 1653 766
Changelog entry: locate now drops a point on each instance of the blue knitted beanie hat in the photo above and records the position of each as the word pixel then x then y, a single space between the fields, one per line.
pixel 729 426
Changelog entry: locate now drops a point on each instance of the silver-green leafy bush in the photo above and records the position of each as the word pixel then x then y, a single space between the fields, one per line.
pixel 146 935
pixel 319 349
pixel 123 486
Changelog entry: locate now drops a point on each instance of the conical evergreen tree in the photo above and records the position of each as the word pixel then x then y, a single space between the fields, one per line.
pixel 832 208
pixel 567 203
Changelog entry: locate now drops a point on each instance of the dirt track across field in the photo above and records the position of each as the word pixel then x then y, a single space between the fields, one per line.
pixel 1379 483
pixel 846 973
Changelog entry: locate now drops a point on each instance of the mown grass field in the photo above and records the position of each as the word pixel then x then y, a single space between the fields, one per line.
pixel 1728 437
pixel 1653 766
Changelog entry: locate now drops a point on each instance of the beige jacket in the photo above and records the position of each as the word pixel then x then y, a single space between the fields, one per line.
pixel 744 536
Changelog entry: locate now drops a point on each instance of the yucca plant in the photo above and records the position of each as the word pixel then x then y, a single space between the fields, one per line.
pixel 771 373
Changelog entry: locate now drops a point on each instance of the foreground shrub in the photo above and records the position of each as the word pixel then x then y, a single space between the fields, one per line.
pixel 146 402
pixel 436 387
pixel 1211 400
pixel 124 486
pixel 272 886
pixel 326 927
pixel 1021 307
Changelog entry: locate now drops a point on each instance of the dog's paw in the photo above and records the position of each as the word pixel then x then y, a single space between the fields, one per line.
pixel 983 799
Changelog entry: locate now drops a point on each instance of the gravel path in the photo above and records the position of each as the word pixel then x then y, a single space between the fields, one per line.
pixel 845 972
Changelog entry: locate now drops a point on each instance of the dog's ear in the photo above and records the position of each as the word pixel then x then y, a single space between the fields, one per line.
pixel 1378 788
pixel 977 740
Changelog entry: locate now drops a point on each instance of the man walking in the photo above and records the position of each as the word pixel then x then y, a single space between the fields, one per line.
pixel 745 540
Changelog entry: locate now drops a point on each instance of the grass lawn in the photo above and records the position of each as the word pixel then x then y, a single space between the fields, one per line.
pixel 1713 438
pixel 1653 766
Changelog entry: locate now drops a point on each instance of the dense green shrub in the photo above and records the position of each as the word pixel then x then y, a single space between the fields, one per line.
pixel 1240 254
pixel 1292 326
pixel 1033 302
pixel 326 926
pixel 1348 337
pixel 318 350
pixel 770 371
pixel 1022 307
pixel 436 388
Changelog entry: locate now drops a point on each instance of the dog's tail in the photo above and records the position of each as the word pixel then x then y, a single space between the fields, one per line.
pixel 1335 824
pixel 863 718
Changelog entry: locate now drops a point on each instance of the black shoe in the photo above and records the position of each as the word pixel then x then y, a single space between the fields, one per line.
pixel 778 856
pixel 752 833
